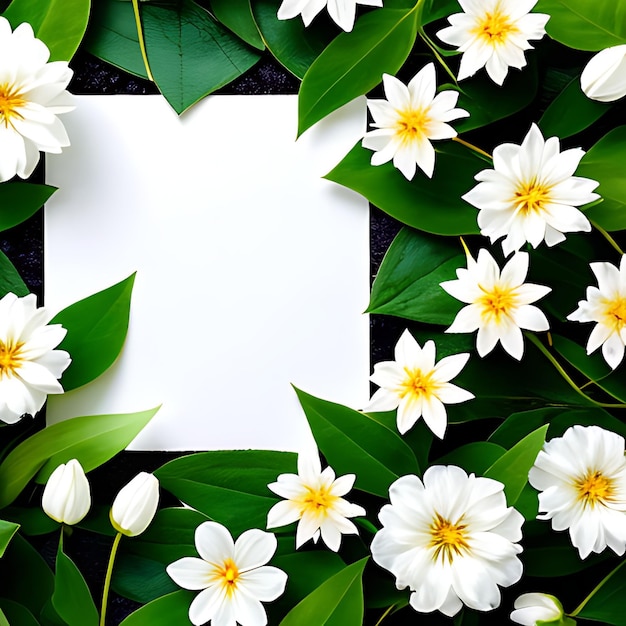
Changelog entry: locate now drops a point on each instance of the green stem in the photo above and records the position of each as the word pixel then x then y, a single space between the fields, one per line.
pixel 109 574
pixel 438 56
pixel 142 43
pixel 581 606
pixel 471 146
pixel 607 237
pixel 385 614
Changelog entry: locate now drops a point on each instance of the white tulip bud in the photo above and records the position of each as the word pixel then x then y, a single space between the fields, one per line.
pixel 533 608
pixel 66 496
pixel 135 505
pixel 604 77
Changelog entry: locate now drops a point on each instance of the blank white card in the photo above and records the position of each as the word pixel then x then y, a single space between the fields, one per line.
pixel 252 271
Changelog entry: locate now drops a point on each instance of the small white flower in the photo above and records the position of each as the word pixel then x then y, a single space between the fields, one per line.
pixel 314 497
pixel 416 386
pixel 66 496
pixel 531 194
pixel 29 367
pixel 410 117
pixel 533 608
pixel 233 577
pixel 498 303
pixel 606 305
pixel 582 480
pixel 342 12
pixel 493 34
pixel 604 76
pixel 451 539
pixel 32 94
pixel 135 505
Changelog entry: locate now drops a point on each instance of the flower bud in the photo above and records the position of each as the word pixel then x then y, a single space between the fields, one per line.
pixel 604 77
pixel 539 608
pixel 66 496
pixel 135 505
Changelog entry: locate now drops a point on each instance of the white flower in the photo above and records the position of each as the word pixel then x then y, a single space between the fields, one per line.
pixel 29 367
pixel 66 496
pixel 314 497
pixel 233 577
pixel 531 194
pixel 32 94
pixel 498 303
pixel 416 386
pixel 606 305
pixel 135 505
pixel 493 34
pixel 582 480
pixel 533 608
pixel 604 76
pixel 451 540
pixel 343 12
pixel 410 117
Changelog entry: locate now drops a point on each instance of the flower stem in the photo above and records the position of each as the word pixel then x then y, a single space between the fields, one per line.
pixel 581 606
pixel 607 237
pixel 438 56
pixel 471 146
pixel 142 43
pixel 109 574
pixel 385 614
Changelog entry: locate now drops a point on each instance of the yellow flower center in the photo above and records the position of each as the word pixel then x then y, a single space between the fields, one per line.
pixel 228 574
pixel 412 124
pixel 531 198
pixel 495 27
pixel 418 383
pixel 10 101
pixel 448 539
pixel 318 501
pixel 496 303
pixel 615 313
pixel 594 488
pixel 10 358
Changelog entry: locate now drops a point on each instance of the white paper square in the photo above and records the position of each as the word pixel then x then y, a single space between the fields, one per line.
pixel 252 271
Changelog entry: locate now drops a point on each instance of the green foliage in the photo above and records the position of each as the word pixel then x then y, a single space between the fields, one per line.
pixel 165 611
pixel 237 16
pixel 18 201
pixel 10 280
pixel 7 530
pixel 607 605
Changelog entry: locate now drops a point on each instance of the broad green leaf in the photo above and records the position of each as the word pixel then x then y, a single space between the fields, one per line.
pixel 407 283
pixel 354 63
pixel 141 579
pixel 336 602
pixel 417 203
pixel 190 54
pixel 10 280
pixel 60 24
pixel 512 467
pixel 18 201
pixel 96 330
pixel 436 9
pixel 166 611
pixel 571 112
pixel 585 24
pixel 32 520
pixel 603 162
pixel 354 443
pixel 92 440
pixel 15 614
pixel 291 43
pixel 237 16
pixel 3 619
pixel 551 561
pixel 475 457
pixel 7 530
pixel 71 598
pixel 607 603
pixel 229 486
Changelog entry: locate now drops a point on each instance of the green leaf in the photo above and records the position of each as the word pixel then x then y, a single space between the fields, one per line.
pixel 555 561
pixel 604 164
pixel 32 520
pixel 170 609
pixel 190 54
pixel 354 63
pixel 407 283
pixel 336 602
pixel 237 16
pixel 71 598
pixel 354 443
pixel 607 603
pixel 15 614
pixel 473 457
pixel 585 25
pixel 512 467
pixel 18 201
pixel 92 440
pixel 7 530
pixel 60 24
pixel 417 203
pixel 229 486
pixel 571 112
pixel 436 9
pixel 96 330
pixel 10 280
pixel 141 579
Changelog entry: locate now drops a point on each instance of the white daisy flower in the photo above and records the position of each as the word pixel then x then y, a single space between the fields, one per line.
pixel 539 608
pixel 451 539
pixel 606 305
pixel 314 497
pixel 233 576
pixel 531 194
pixel 32 94
pixel 409 119
pixel 29 366
pixel 493 34
pixel 342 12
pixel 582 480
pixel 604 76
pixel 498 303
pixel 416 386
